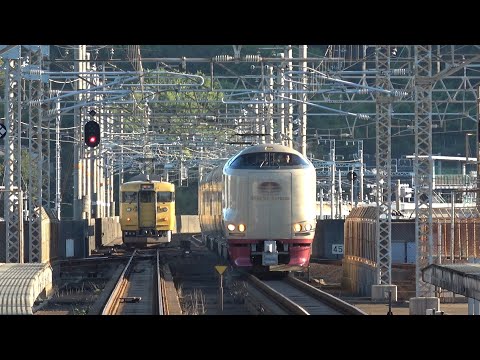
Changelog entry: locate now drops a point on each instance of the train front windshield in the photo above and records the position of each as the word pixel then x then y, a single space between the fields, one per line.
pixel 268 160
pixel 165 196
pixel 129 197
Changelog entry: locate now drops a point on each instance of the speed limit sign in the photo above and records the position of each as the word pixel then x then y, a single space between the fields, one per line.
pixel 337 249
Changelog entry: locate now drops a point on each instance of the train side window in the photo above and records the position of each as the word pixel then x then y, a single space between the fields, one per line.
pixel 297 160
pixel 246 161
pixel 129 197
pixel 164 196
pixel 146 196
pixel 286 159
pixel 239 162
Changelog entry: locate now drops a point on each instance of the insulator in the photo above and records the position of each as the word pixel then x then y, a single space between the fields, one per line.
pixel 399 71
pixel 399 93
pixel 35 103
pixel 35 72
pixel 363 91
pixel 223 58
pixel 53 92
pixel 255 58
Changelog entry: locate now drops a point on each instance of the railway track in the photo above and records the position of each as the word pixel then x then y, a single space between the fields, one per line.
pixel 288 296
pixel 197 280
pixel 139 289
pixel 296 297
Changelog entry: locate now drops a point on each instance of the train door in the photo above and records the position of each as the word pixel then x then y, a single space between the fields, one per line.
pixel 146 209
pixel 271 214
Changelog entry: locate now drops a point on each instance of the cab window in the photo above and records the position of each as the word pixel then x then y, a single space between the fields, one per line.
pixel 165 196
pixel 129 197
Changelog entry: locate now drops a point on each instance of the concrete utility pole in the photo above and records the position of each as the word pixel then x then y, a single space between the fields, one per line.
pixel 302 108
pixel 269 104
pixel 289 107
pixel 281 105
pixel 332 176
pixel 360 175
pixel 58 195
pixel 79 163
pixel 260 121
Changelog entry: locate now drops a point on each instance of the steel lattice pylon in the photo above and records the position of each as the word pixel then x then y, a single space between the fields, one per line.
pixel 13 202
pixel 383 157
pixel 423 164
pixel 39 179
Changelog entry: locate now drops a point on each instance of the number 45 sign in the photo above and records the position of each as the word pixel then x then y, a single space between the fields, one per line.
pixel 337 249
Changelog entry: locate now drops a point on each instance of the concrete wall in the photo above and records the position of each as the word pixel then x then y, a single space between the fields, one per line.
pixel 49 229
pixel 107 230
pixel 78 231
pixel 187 224
pixel 328 233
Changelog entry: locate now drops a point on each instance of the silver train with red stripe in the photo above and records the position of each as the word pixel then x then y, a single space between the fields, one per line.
pixel 259 209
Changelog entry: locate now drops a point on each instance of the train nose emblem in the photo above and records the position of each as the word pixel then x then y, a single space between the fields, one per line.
pixel 269 187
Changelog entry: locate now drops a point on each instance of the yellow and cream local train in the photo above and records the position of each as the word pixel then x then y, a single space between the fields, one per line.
pixel 259 209
pixel 147 212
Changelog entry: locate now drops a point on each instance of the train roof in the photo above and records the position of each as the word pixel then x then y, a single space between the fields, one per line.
pixel 144 181
pixel 269 148
pixel 140 182
pixel 147 177
pixel 216 173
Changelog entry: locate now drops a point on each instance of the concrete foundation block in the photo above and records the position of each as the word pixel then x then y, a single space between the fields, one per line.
pixel 419 305
pixel 381 292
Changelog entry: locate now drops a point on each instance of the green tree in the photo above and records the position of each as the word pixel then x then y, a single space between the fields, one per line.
pixel 26 164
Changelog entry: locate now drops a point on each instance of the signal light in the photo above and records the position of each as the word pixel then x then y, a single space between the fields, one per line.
pixel 352 175
pixel 92 133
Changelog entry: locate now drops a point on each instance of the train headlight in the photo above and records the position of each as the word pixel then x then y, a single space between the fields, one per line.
pixel 297 227
pixel 129 209
pixel 163 209
pixel 241 227
pixel 128 219
pixel 308 227
pixel 231 227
